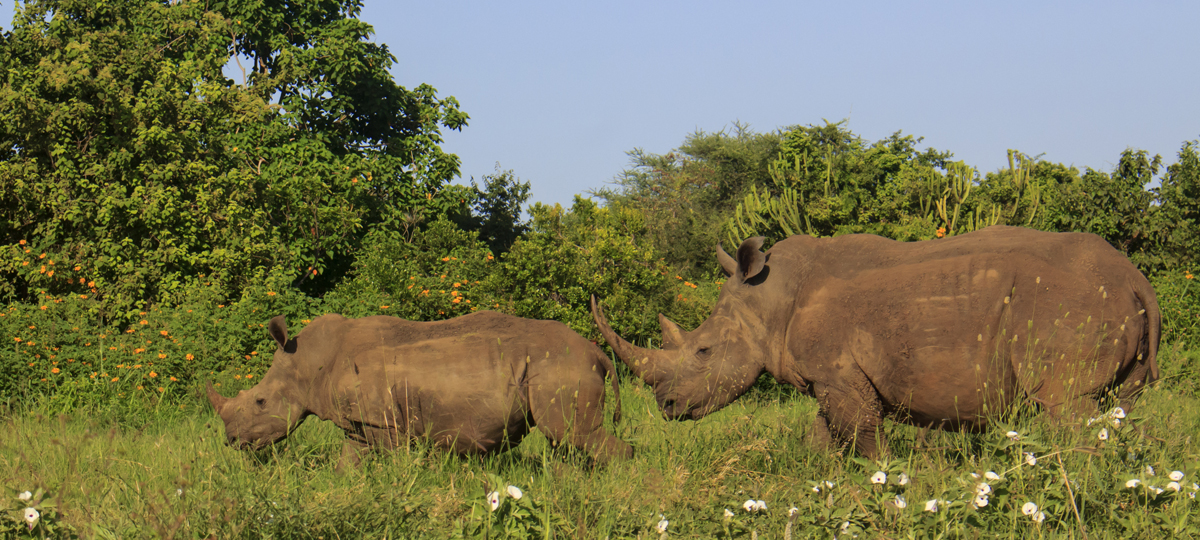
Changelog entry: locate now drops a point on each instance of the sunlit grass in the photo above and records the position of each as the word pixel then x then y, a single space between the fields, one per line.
pixel 166 472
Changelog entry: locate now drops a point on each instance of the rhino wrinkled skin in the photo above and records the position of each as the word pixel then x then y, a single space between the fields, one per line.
pixel 474 384
pixel 940 333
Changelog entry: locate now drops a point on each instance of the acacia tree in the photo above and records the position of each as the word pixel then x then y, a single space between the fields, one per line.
pixel 127 153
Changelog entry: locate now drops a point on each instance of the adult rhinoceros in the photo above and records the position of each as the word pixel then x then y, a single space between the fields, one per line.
pixel 473 384
pixel 939 333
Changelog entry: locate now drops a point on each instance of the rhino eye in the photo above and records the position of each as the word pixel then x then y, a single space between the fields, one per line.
pixel 703 350
pixel 261 402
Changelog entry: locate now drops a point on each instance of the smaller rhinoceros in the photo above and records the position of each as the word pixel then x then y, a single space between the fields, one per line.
pixel 474 384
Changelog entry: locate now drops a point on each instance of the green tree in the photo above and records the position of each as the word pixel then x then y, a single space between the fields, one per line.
pixel 686 194
pixel 1176 218
pixel 132 162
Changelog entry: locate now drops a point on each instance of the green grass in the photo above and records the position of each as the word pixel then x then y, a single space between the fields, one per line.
pixel 165 472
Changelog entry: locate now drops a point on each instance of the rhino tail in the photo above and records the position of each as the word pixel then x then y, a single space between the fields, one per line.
pixel 611 372
pixel 1149 301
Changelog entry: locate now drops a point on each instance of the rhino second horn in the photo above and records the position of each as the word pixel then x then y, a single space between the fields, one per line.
pixel 217 400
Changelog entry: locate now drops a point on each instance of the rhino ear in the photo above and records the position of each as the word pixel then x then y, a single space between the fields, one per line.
pixel 727 262
pixel 672 335
pixel 750 260
pixel 278 330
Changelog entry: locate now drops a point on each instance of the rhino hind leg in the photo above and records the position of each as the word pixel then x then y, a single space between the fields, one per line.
pixel 575 415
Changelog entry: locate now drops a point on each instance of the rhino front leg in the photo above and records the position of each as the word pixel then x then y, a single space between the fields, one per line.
pixel 575 415
pixel 819 435
pixel 352 453
pixel 853 414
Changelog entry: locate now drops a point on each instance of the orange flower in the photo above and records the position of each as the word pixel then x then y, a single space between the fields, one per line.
pixel 22 242
pixel 139 351
pixel 457 284
pixel 445 259
pixel 271 293
pixel 42 256
pixel 173 379
pixel 83 297
pixel 50 273
pixel 237 376
pixel 153 374
pixel 456 300
pixel 161 356
pixel 249 377
pixel 160 389
pixel 383 307
pixel 76 268
pixel 489 257
pixel 115 379
pixel 941 232
pixel 1189 276
pixel 164 333
pixel 91 284
pixel 189 356
pixel 44 308
pixel 54 370
pixel 143 322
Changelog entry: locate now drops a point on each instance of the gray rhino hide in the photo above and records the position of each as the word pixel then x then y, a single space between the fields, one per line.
pixel 473 384
pixel 943 333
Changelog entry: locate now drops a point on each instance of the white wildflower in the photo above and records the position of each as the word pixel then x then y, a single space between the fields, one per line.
pixel 494 500
pixel 829 484
pixel 515 492
pixel 975 476
pixel 1149 470
pixel 1039 517
pixel 1174 486
pixel 31 517
pixel 728 514
pixel 1117 413
pixel 845 526
pixel 1030 508
pixel 179 492
pixel 1116 422
pixel 983 488
pixel 1157 490
pixel 980 501
pixel 1176 475
pixel 793 512
pixel 1195 486
pixel 900 502
pixel 1132 483
pixel 931 506
pixel 662 524
pixel 1013 436
pixel 25 496
pixel 991 475
pixel 752 505
pixel 879 477
pixel 902 479
pixel 1103 435
pixel 1030 459
pixel 759 506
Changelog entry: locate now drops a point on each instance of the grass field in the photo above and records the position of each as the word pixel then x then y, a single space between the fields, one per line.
pixel 143 472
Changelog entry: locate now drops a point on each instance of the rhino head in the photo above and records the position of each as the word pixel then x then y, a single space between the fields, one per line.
pixel 699 372
pixel 270 410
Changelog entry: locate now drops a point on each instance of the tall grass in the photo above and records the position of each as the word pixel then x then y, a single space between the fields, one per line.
pixel 148 471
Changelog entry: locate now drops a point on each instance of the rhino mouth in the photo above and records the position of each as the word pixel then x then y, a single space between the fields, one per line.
pixel 679 410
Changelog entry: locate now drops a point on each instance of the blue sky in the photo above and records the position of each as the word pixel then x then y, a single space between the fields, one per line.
pixel 559 91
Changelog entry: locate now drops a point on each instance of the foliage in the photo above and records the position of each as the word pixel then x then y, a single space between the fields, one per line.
pixel 685 194
pixel 125 150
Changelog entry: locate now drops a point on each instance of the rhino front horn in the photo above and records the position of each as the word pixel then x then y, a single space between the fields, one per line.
pixel 642 362
pixel 217 400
